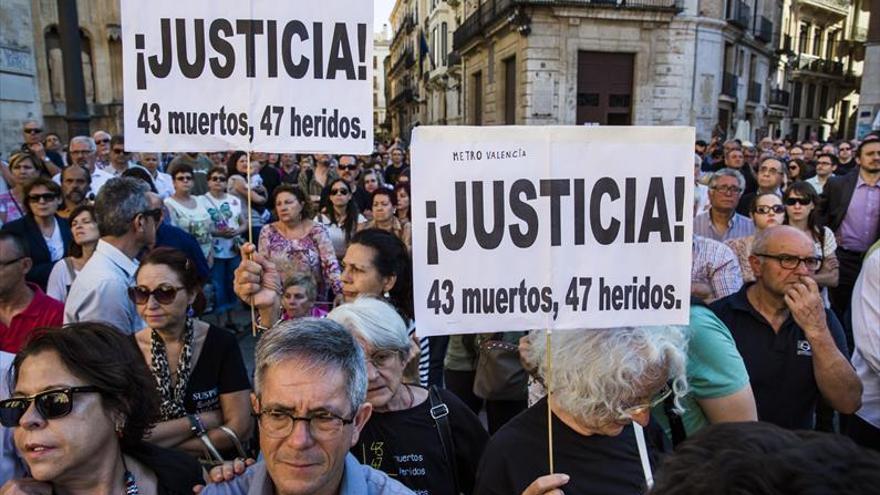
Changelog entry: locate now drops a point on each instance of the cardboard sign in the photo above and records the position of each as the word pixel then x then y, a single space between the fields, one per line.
pixel 263 75
pixel 521 228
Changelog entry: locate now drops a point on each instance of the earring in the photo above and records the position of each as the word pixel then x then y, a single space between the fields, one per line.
pixel 386 295
pixel 190 312
pixel 120 425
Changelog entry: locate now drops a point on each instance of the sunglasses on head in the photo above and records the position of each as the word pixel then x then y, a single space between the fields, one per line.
pixel 51 404
pixel 36 198
pixel 33 131
pixel 164 294
pixel 798 201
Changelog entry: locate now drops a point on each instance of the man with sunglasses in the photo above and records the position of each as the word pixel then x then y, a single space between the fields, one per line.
pixel 32 132
pixel 24 307
pixel 119 157
pixel 128 226
pixel 845 158
pixel 793 348
pixel 350 172
pixel 102 152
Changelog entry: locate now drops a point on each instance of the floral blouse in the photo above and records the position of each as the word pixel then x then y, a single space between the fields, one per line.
pixel 313 253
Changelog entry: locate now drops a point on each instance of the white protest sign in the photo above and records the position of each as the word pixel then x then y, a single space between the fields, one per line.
pixel 520 228
pixel 215 75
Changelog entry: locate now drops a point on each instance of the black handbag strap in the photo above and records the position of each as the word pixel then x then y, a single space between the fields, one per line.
pixel 440 414
pixel 676 425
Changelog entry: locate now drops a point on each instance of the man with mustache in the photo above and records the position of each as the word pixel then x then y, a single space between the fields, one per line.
pixel 75 181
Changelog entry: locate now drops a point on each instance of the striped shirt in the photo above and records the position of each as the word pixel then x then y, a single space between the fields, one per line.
pixel 738 226
pixel 715 264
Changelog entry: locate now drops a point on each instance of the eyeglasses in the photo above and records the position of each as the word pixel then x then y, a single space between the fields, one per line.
pixel 322 426
pixel 33 131
pixel 102 141
pixel 772 170
pixel 628 413
pixel 155 214
pixel 789 262
pixel 51 404
pixel 382 359
pixel 844 148
pixel 164 294
pixel 218 178
pixel 339 192
pixel 39 198
pixel 792 167
pixel 727 189
pixel 798 201
pixel 10 262
pixel 347 167
pixel 119 151
pixel 766 210
pixel 184 178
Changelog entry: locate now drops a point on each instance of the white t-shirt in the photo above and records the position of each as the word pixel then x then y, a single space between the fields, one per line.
pixel 224 213
pixel 337 235
pixel 195 221
pixel 55 243
pixel 164 184
pixel 60 281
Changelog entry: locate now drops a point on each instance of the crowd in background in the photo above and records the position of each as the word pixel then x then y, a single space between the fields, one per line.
pixel 124 275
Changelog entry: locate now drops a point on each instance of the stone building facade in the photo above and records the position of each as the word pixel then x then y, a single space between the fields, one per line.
pixel 381 45
pixel 19 100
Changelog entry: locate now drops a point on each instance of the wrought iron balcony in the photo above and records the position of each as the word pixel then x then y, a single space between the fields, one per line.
pixel 739 13
pixel 729 84
pixel 811 63
pixel 840 7
pixel 754 95
pixel 764 29
pixel 493 11
pixel 779 98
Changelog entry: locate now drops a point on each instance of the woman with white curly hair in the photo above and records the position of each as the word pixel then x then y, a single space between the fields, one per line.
pixel 601 381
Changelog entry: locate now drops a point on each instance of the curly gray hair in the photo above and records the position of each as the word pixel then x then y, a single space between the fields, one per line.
pixel 597 374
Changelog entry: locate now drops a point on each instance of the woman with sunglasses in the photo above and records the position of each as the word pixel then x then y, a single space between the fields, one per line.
pixel 23 170
pixel 229 224
pixel 341 216
pixel 187 213
pixel 47 235
pixel 796 171
pixel 197 368
pixel 437 460
pixel 384 217
pixel 800 204
pixel 765 211
pixel 81 405
pixel 85 237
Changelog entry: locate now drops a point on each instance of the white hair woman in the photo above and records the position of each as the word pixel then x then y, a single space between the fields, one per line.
pixel 602 381
pixel 427 455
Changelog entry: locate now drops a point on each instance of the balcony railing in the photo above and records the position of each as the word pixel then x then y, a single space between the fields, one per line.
pixel 754 92
pixel 729 84
pixel 739 13
pixel 492 11
pixel 779 98
pixel 403 96
pixel 764 29
pixel 406 57
pixel 837 6
pixel 454 58
pixel 812 63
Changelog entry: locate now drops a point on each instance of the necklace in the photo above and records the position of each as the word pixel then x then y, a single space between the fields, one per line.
pixel 131 487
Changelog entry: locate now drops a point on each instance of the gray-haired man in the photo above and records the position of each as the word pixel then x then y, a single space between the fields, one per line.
pixel 310 387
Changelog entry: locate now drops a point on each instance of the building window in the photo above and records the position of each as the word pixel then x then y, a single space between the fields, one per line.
pixel 797 90
pixel 811 101
pixel 444 42
pixel 509 91
pixel 803 36
pixel 823 99
pixel 477 90
pixel 817 41
pixel 831 47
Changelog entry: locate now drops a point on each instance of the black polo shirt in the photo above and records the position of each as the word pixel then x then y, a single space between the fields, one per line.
pixel 780 365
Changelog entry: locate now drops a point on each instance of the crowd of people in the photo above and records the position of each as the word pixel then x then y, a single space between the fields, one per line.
pixel 125 280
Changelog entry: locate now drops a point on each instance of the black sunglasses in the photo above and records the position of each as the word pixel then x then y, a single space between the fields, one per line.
pixel 798 201
pixel 51 404
pixel 33 131
pixel 35 198
pixel 163 295
pixel 339 192
pixel 102 141
pixel 347 167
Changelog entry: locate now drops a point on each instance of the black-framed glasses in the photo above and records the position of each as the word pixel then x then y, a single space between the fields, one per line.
pixel 184 178
pixel 798 201
pixel 154 213
pixel 102 141
pixel 727 189
pixel 347 167
pixel 34 130
pixel 844 149
pixel 278 423
pixel 4 264
pixel 768 209
pixel 218 178
pixel 789 262
pixel 51 404
pixel 341 191
pixel 39 198
pixel 164 294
